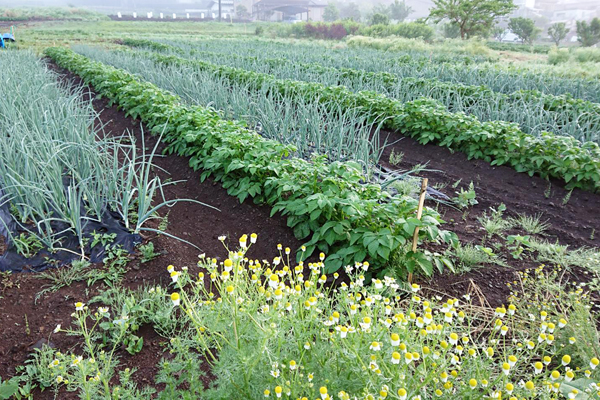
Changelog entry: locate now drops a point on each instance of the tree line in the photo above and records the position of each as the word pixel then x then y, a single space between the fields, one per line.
pixel 467 19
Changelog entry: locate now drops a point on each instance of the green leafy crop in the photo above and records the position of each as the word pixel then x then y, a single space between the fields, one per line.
pixel 328 204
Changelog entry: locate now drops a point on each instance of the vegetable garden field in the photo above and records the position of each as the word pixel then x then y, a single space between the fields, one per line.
pixel 237 217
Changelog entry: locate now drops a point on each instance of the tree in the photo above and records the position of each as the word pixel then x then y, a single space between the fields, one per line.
pixel 588 34
pixel 379 19
pixel 350 11
pixel 473 17
pixel 558 32
pixel 399 10
pixel 380 8
pixel 331 12
pixel 241 11
pixel 524 28
pixel 499 33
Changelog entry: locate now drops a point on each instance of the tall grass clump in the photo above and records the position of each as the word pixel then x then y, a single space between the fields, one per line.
pixel 409 30
pixel 558 56
pixel 586 54
pixel 456 46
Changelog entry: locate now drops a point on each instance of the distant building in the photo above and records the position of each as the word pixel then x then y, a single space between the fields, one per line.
pixel 280 10
pixel 210 8
pixel 568 10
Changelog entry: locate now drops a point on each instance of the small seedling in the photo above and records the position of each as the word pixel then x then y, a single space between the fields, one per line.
pixel 103 239
pixel 396 158
pixel 548 190
pixel 466 198
pixel 567 198
pixel 517 244
pixel 27 245
pixel 164 222
pixel 147 252
pixel 495 223
pixel 532 224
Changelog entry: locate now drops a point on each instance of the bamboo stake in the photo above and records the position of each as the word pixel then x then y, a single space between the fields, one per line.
pixel 419 214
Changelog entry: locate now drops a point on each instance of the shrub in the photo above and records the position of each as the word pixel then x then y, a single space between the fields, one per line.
pixel 558 56
pixel 409 30
pixel 587 54
pixel 334 30
pixel 395 43
pixel 451 31
pixel 379 19
pixel 320 30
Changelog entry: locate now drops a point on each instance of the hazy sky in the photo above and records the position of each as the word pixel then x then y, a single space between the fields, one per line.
pixel 586 8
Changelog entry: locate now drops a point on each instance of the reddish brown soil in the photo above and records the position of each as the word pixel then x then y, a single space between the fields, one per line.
pixel 25 323
pixel 571 224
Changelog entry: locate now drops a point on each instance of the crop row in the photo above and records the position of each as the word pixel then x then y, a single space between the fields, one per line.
pixel 70 183
pixel 499 77
pixel 348 219
pixel 559 114
pixel 498 142
pixel 306 123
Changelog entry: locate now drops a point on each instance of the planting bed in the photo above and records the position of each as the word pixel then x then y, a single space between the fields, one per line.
pixel 503 282
pixel 27 322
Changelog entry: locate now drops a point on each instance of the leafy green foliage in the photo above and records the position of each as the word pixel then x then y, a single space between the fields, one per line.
pixel 399 11
pixel 588 34
pixel 498 142
pixel 379 19
pixel 406 29
pixel 524 28
pixel 27 245
pixel 473 17
pixel 8 388
pixel 348 219
pixel 557 32
pixel 350 11
pixel 558 56
pixel 147 252
pixel 466 198
pixel 563 114
pixel 331 12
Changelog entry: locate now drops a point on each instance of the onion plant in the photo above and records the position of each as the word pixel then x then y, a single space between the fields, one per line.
pixel 530 113
pixel 58 170
pixel 503 78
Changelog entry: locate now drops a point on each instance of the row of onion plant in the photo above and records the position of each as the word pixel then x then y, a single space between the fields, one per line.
pixel 529 112
pixel 59 170
pixel 503 78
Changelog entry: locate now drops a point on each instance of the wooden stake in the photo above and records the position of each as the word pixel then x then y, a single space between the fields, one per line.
pixel 419 214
